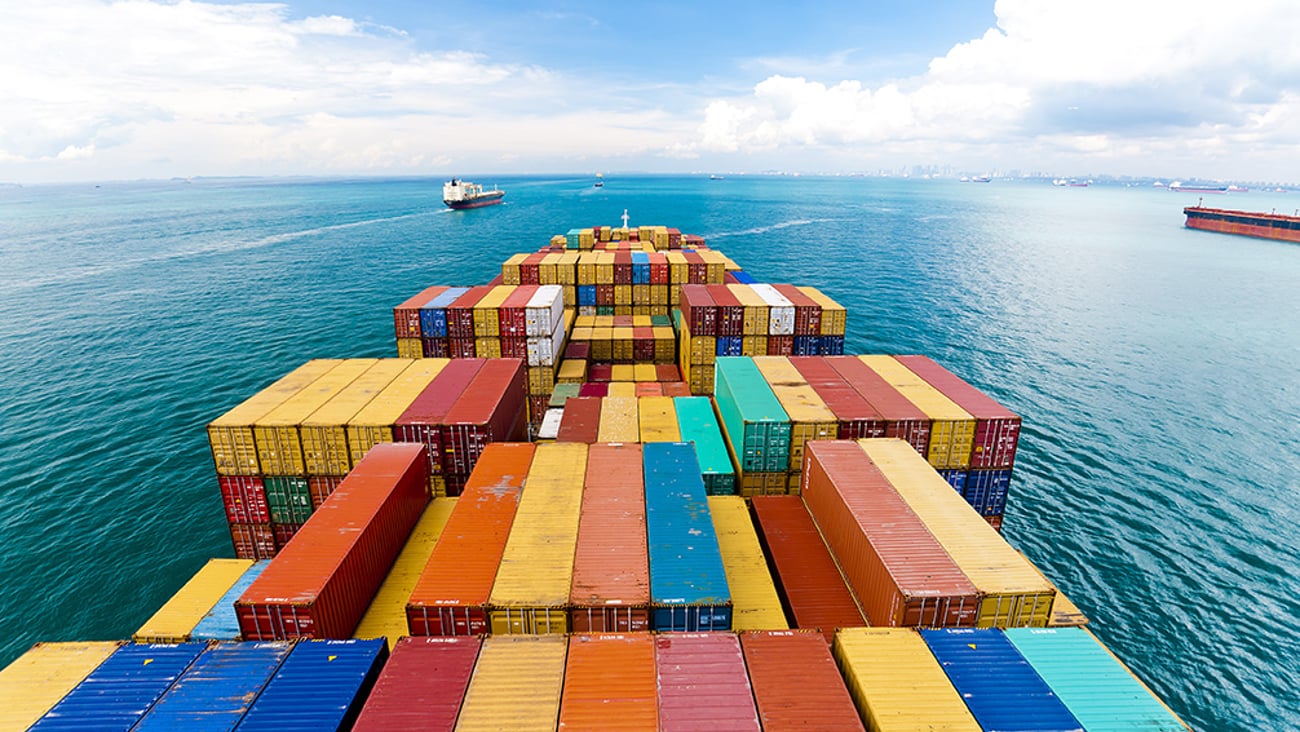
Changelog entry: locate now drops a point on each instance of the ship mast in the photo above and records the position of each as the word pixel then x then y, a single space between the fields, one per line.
pixel 624 218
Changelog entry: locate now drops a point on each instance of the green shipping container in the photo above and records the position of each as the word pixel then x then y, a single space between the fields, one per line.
pixel 699 425
pixel 288 498
pixel 755 425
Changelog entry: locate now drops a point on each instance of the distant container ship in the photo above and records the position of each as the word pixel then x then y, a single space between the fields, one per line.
pixel 1197 187
pixel 460 194
pixel 1244 223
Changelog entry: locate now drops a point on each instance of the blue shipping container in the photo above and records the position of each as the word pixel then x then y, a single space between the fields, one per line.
pixel 743 277
pixel 220 623
pixel 1000 688
pixel 805 345
pixel 433 314
pixel 320 686
pixel 688 584
pixel 956 479
pixel 122 689
pixel 731 346
pixel 1101 693
pixel 640 268
pixel 587 295
pixel 986 491
pixel 217 689
pixel 831 345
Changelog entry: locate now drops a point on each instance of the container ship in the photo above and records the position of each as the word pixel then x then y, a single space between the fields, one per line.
pixel 623 485
pixel 459 194
pixel 1244 223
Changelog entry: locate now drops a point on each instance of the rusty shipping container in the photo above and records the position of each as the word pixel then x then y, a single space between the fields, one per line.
pixel 611 570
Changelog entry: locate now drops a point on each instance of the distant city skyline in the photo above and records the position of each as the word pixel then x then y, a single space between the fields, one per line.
pixel 1192 89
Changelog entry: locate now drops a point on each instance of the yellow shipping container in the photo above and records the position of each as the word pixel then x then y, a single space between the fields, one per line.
pixel 176 619
pixel 753 345
pixel 952 433
pixel 701 382
pixel 570 293
pixel 623 310
pixel 279 449
pixel 665 345
pixel 531 591
pixel 618 419
pixel 834 316
pixel 374 423
pixel 756 312
pixel 754 600
pixel 896 682
pixel 762 484
pixel 230 436
pixel 644 372
pixel 622 295
pixel 541 380
pixel 386 616
pixel 546 270
pixel 622 372
pixel 642 321
pixel 679 270
pixel 587 262
pixel 572 371
pixel 410 348
pixel 1014 593
pixel 510 268
pixel 622 389
pixel 658 419
pixel 605 268
pixel 583 321
pixel 566 268
pixel 325 434
pixel 810 418
pixel 516 685
pixel 716 265
pixel 487 347
pixel 38 679
pixel 487 312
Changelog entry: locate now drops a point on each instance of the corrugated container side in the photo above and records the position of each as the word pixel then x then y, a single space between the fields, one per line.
pixel 810 419
pixel 1001 689
pixel 406 316
pixel 217 689
pixel 324 432
pixel 703 684
pixel 807 312
pixel 320 686
pixel 780 310
pixel 36 680
pixel 531 592
pixel 814 591
pixel 834 315
pixel 688 583
pixel 421 687
pixel 220 623
pixel 433 314
pixel 754 424
pixel 902 418
pixel 320 584
pixel 754 601
pixel 857 418
pixel 253 541
pixel 450 595
pixel 896 683
pixel 279 444
pixel 516 685
pixel 386 616
pixel 610 683
pixel 545 311
pixel 122 688
pixel 230 436
pixel 175 620
pixel 618 419
pixel 952 428
pixel 460 312
pixel 1013 592
pixel 997 429
pixel 490 410
pixel 244 498
pixel 657 419
pixel 818 701
pixel 422 421
pixel 1097 688
pixel 699 426
pixel 374 423
pixel 610 590
pixel 900 574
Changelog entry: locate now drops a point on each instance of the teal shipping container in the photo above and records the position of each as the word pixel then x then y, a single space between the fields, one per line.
pixel 1097 689
pixel 699 425
pixel 755 425
pixel 220 622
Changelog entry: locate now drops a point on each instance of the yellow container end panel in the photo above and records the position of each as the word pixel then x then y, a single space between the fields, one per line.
pixel 38 679
pixel 587 263
pixel 487 312
pixel 644 372
pixel 755 602
pixel 516 685
pixel 234 452
pixel 763 484
pixel 373 424
pixel 175 620
pixel 324 433
pixel 753 345
pixel 541 380
pixel 279 449
pixel 810 419
pixel 510 268
pixel 897 684
pixel 566 269
pixel 487 347
pixel 410 348
pixel 531 590
pixel 386 616
pixel 834 316
pixel 618 418
pixel 756 311
pixel 622 373
pixel 1015 593
pixel 952 433
pixel 547 274
pixel 658 420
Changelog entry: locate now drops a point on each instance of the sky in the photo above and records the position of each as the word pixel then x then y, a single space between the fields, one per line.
pixel 1190 89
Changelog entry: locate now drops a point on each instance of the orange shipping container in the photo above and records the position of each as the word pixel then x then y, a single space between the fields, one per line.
pixel 796 682
pixel 611 570
pixel 451 594
pixel 610 683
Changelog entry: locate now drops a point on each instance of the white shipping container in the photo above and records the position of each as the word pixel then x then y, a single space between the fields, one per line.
pixel 780 309
pixel 550 428
pixel 545 311
pixel 546 350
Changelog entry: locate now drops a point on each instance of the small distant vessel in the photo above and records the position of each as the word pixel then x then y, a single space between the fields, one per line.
pixel 460 194
pixel 1244 223
pixel 1197 187
pixel 600 181
pixel 715 176
pixel 976 179
pixel 1071 183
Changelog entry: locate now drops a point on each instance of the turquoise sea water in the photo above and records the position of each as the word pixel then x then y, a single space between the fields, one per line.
pixel 1154 366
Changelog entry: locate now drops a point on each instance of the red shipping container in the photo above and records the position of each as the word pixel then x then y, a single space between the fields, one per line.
pixel 729 278
pixel 900 573
pixel 436 348
pixel 697 270
pixel 320 487
pixel 660 271
pixel 667 372
pixel 491 409
pixel 903 419
pixel 600 372
pixel 581 421
pixel 537 406
pixel 610 590
pixel 461 348
pixel 244 497
pixel 320 585
pixel 643 344
pixel 649 389
pixel 676 389
pixel 604 294
pixel 995 522
pixel 578 350
pixel 596 389
pixel 253 541
pixel 997 429
pixel 623 268
pixel 423 421
pixel 450 597
pixel 406 317
pixel 807 311
pixel 780 345
pixel 857 418
pixel 516 347
pixel 698 311
pixel 422 685
pixel 819 699
pixel 513 322
pixel 284 532
pixel 731 314
pixel 530 269
pixel 623 321
pixel 460 313
pixel 811 587
pixel 496 281
pixel 674 238
pixel 703 684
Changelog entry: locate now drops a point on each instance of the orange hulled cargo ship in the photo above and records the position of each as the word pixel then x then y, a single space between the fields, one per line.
pixel 1244 223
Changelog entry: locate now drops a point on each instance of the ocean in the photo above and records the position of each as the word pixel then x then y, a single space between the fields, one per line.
pixel 1154 367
